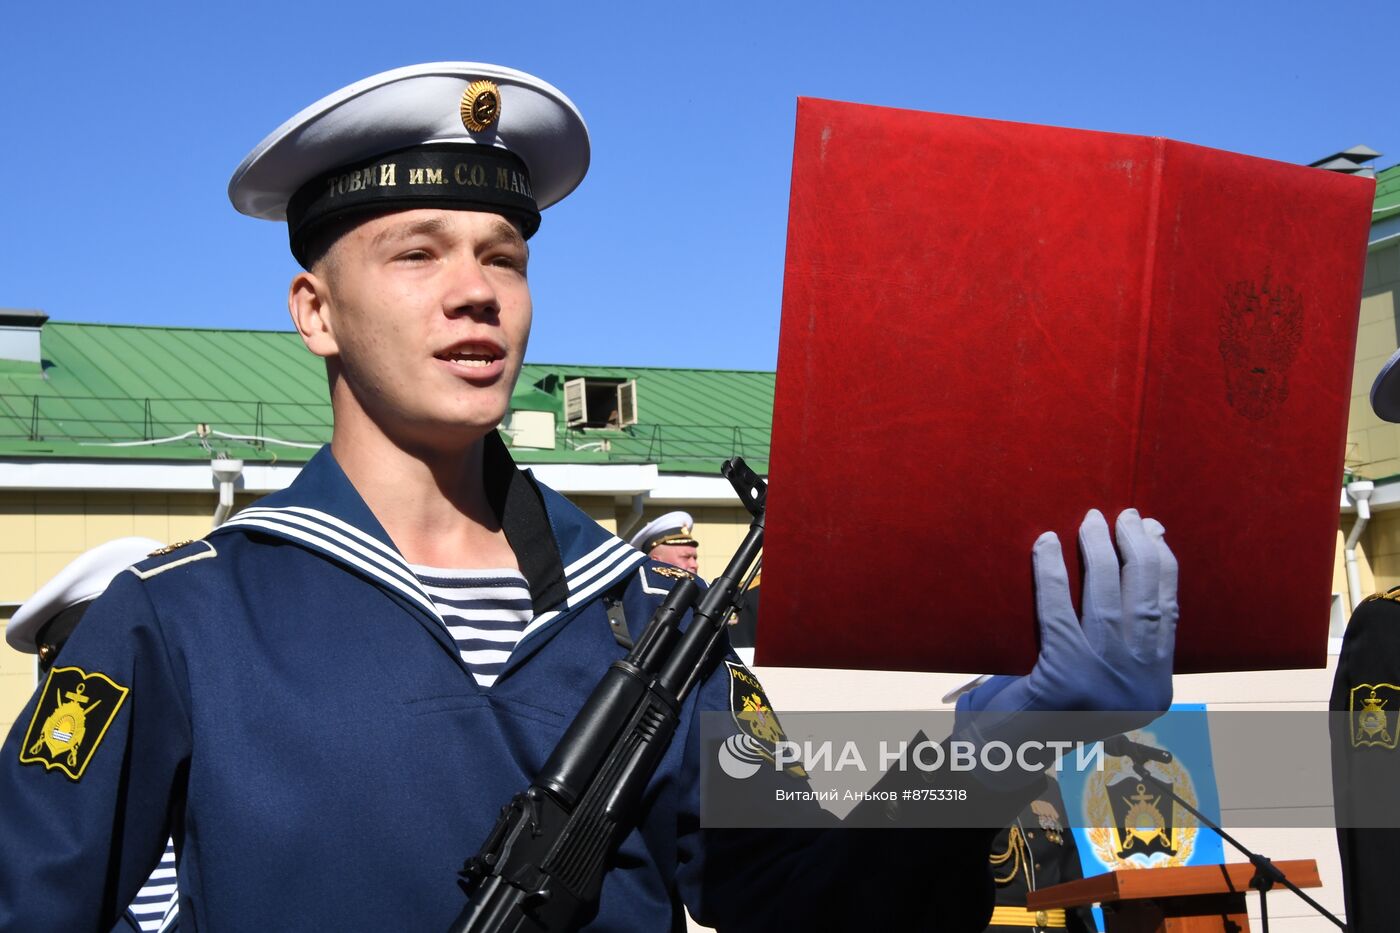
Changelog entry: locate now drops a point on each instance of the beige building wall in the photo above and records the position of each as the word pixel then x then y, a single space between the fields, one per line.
pixel 17 673
pixel 1380 551
pixel 1373 446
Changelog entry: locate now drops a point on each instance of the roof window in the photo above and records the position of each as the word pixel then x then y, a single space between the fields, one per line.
pixel 591 402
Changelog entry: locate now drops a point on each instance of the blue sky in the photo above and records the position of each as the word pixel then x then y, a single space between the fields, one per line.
pixel 122 122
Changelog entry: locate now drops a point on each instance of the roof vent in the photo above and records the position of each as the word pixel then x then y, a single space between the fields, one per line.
pixel 1350 161
pixel 19 335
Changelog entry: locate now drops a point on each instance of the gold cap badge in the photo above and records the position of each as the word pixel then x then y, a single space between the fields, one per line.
pixel 481 105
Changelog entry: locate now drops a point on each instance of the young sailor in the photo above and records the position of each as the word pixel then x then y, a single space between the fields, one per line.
pixel 327 700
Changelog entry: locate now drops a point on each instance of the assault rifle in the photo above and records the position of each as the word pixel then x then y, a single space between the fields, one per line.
pixel 542 866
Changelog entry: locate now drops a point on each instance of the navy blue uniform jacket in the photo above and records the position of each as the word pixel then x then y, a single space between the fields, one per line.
pixel 299 720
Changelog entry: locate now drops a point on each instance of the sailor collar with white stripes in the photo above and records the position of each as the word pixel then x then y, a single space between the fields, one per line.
pixel 323 511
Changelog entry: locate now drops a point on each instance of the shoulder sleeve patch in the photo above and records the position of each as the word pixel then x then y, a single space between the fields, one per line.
pixel 1374 721
pixel 754 715
pixel 73 715
pixel 172 557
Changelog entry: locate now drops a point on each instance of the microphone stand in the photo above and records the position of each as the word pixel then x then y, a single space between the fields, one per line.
pixel 1266 873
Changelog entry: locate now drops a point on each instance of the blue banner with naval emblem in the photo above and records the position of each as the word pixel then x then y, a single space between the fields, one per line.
pixel 1119 822
pixel 1123 823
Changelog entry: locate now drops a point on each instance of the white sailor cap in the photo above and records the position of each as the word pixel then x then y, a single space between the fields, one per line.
pixel 461 135
pixel 1385 391
pixel 672 528
pixel 80 582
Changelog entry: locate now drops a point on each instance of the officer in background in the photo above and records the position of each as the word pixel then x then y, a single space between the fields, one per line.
pixel 1365 761
pixel 1365 725
pixel 1035 852
pixel 671 540
pixel 41 626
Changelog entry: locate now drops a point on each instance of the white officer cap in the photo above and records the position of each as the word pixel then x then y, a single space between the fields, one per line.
pixel 83 580
pixel 1385 391
pixel 461 135
pixel 671 528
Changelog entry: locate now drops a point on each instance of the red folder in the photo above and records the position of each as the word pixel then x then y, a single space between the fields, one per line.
pixel 989 328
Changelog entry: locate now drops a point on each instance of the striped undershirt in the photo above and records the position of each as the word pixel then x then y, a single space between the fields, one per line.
pixel 485 611
pixel 157 904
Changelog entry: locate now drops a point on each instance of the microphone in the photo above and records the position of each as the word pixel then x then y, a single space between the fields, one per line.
pixel 1120 746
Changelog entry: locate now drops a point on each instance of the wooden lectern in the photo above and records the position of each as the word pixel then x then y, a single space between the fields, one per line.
pixel 1190 899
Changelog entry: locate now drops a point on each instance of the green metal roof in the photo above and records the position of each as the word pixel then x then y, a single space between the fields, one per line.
pixel 110 391
pixel 1387 194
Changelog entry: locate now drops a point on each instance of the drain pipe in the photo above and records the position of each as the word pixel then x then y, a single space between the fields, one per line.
pixel 226 473
pixel 1359 492
pixel 634 517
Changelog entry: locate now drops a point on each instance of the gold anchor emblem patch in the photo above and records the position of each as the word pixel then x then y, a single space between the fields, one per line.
pixel 1373 723
pixel 73 715
pixel 1141 823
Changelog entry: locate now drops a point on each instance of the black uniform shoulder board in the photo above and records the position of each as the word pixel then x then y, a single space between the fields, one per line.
pixel 1392 594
